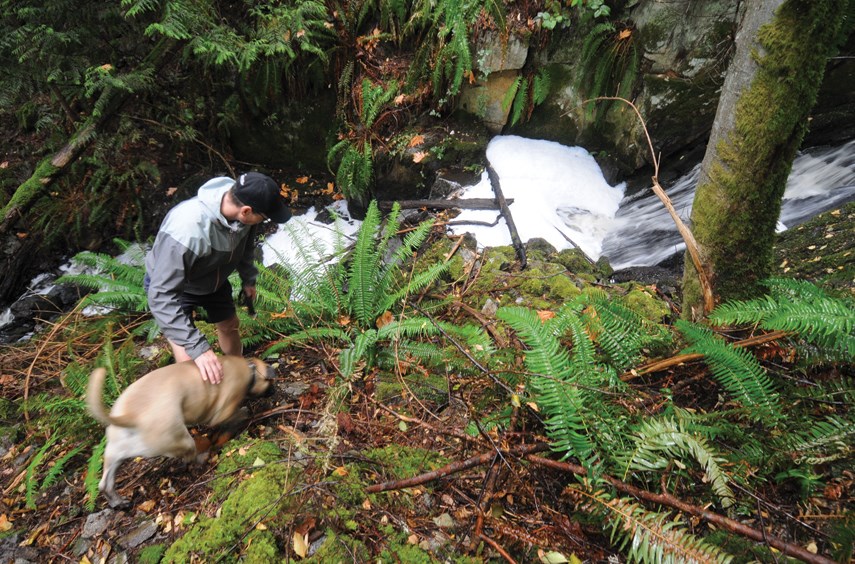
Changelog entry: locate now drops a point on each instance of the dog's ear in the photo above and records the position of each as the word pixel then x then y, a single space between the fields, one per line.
pixel 262 384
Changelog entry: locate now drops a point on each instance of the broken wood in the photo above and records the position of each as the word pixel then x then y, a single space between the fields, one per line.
pixel 464 204
pixel 506 212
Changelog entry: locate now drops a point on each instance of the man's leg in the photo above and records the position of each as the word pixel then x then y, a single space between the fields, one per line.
pixel 229 336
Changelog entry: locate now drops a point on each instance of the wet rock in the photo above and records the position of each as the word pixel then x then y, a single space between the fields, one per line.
pixel 141 533
pixel 97 523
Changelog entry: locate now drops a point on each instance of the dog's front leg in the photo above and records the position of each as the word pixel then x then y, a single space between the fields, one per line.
pixel 231 427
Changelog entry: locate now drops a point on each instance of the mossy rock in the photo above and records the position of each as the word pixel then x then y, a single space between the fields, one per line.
pixel 243 455
pixel 640 300
pixel 235 535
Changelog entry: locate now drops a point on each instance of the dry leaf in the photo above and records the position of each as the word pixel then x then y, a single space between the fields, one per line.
pixel 4 164
pixel 5 524
pixel 399 99
pixel 545 314
pixel 624 34
pixel 385 319
pixel 340 471
pixel 106 67
pixel 344 320
pixel 171 190
pixel 146 506
pixel 261 527
pixel 416 140
pixel 22 235
pixel 366 505
pixel 301 545
pixel 419 157
pixel 302 180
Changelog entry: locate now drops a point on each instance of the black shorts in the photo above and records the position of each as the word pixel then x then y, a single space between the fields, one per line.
pixel 218 306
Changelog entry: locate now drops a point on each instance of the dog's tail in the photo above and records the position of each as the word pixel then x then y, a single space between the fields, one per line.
pixel 94 393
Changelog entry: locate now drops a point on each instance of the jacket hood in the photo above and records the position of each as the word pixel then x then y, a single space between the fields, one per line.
pixel 211 196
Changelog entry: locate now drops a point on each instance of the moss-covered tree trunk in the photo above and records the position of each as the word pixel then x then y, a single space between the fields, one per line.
pixel 781 51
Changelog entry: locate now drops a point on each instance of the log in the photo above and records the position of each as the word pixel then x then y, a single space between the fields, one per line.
pixel 464 204
pixel 506 212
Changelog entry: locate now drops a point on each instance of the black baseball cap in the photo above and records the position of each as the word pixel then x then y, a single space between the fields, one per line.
pixel 261 193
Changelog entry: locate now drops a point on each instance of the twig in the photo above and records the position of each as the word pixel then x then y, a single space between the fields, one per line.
pixel 497 547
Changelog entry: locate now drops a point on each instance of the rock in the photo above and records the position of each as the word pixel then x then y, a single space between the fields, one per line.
pixel 138 534
pixel 97 523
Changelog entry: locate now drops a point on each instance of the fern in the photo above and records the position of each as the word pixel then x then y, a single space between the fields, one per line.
pixel 736 370
pixel 30 480
pixel 559 398
pixel 799 307
pixel 59 467
pixel 822 442
pixel 93 472
pixel 661 441
pixel 609 60
pixel 646 536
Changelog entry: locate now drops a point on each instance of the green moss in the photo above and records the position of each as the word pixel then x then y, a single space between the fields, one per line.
pixel 241 455
pixel 257 499
pixel 400 461
pixel 641 301
pixel 151 554
pixel 340 548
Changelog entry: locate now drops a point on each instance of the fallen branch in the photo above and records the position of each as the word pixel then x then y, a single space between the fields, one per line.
pixel 509 220
pixel 454 467
pixel 685 232
pixel 464 204
pixel 669 500
pixel 658 365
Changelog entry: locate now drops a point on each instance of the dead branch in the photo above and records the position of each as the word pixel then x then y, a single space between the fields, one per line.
pixel 454 467
pixel 669 500
pixel 685 232
pixel 464 204
pixel 509 220
pixel 658 365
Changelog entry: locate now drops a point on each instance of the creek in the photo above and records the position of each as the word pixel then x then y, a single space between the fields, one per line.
pixel 560 195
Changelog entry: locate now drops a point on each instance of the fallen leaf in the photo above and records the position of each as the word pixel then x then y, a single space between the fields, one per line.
pixel 385 319
pixel 624 34
pixel 416 140
pixel 366 505
pixel 4 164
pixel 146 506
pixel 302 180
pixel 261 527
pixel 171 190
pixel 545 314
pixel 399 99
pixel 106 67
pixel 301 544
pixel 340 471
pixel 419 157
pixel 5 524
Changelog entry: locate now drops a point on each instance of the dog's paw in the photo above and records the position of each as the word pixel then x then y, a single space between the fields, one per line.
pixel 116 501
pixel 202 457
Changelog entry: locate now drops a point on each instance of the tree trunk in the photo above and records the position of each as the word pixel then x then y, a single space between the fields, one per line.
pixel 771 85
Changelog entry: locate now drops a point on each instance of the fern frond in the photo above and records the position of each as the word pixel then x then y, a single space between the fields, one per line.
pixel 558 396
pixel 349 357
pixel 823 442
pixel 647 536
pixel 93 473
pixel 658 442
pixel 735 369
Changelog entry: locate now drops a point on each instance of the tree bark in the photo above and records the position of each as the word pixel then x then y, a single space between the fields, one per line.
pixel 762 116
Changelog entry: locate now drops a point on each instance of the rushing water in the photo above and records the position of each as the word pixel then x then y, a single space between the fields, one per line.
pixel 643 233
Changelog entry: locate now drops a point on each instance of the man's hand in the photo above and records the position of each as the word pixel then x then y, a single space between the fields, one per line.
pixel 210 367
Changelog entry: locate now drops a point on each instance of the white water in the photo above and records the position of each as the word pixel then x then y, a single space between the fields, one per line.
pixel 559 193
pixel 644 234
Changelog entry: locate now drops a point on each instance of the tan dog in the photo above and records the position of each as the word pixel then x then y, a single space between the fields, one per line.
pixel 150 417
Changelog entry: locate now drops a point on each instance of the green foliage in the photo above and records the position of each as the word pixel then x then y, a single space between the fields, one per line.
pixel 527 93
pixel 444 30
pixel 117 282
pixel 661 441
pixel 94 466
pixel 353 156
pixel 646 536
pixel 609 60
pixel 360 300
pixel 736 369
pixel 797 306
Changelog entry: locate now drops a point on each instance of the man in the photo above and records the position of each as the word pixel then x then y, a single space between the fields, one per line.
pixel 200 243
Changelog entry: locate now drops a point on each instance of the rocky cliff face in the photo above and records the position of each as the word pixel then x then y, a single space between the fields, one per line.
pixel 681 50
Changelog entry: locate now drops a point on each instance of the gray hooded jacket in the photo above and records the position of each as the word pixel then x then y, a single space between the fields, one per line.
pixel 195 251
